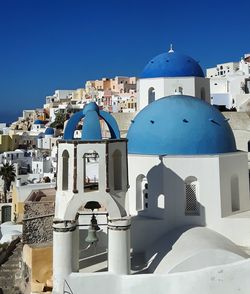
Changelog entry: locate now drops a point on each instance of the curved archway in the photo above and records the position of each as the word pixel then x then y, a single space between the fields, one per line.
pixel 141 192
pixel 151 95
pixel 91 171
pixel 235 197
pixel 117 169
pixel 191 195
pixel 65 170
pixel 203 94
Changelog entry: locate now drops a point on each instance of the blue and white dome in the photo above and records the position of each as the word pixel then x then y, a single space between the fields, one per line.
pixel 180 125
pixel 49 131
pixel 38 122
pixel 91 130
pixel 172 64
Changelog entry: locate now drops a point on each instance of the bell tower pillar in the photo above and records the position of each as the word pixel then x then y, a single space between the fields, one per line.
pixel 65 253
pixel 119 245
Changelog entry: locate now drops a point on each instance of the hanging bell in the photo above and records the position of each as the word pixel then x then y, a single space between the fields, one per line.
pixel 94 223
pixel 92 237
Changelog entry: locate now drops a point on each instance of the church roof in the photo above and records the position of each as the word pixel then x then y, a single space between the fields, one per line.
pixel 172 64
pixel 91 130
pixel 180 125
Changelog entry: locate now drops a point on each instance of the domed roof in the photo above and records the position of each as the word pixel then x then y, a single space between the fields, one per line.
pixel 172 64
pixel 38 122
pixel 91 130
pixel 180 125
pixel 40 135
pixel 49 131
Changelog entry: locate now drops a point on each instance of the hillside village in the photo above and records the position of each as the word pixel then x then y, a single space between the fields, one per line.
pixel 31 153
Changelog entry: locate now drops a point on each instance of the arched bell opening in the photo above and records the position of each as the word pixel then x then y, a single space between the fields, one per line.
pixel 93 238
pixel 91 171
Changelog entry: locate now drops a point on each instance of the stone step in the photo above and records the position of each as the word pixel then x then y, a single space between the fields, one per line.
pixel 13 267
pixel 6 280
pixel 8 271
pixel 12 260
pixel 11 291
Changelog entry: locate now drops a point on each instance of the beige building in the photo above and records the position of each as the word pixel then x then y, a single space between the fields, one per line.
pixel 118 84
pixel 79 94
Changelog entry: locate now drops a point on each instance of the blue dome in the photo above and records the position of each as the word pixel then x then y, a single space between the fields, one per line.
pixel 91 130
pixel 172 64
pixel 49 131
pixel 180 125
pixel 38 122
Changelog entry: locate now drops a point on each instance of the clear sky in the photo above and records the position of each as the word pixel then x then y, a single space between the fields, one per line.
pixel 59 44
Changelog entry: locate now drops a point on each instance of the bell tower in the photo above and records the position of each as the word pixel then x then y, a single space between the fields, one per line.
pixel 92 168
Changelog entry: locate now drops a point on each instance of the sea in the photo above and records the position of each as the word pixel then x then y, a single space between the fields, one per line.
pixel 9 117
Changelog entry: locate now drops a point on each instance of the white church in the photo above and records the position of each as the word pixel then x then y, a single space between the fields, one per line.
pixel 166 210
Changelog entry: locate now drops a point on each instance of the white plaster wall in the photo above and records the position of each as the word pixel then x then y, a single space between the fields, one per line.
pixel 166 180
pixel 174 171
pixel 230 165
pixel 68 202
pixel 213 173
pixel 143 87
pixel 206 170
pixel 169 86
pixel 230 279
pixel 46 142
pixel 202 83
pixel 218 85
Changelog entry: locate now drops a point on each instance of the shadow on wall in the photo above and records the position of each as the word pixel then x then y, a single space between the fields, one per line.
pixel 165 199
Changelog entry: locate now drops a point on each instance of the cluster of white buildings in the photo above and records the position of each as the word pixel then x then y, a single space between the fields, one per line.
pixel 117 94
pixel 230 84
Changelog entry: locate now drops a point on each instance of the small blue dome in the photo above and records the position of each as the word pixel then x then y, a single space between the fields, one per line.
pixel 91 130
pixel 172 64
pixel 40 136
pixel 38 122
pixel 180 125
pixel 49 131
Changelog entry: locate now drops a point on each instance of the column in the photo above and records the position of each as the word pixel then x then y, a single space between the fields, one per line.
pixel 119 245
pixel 64 261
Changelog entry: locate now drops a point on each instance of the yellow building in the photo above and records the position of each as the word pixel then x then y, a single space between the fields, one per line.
pixel 9 142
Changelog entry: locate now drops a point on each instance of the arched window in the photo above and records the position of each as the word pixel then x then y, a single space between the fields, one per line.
pixel 65 170
pixel 91 171
pixel 117 169
pixel 191 191
pixel 235 197
pixel 151 95
pixel 161 201
pixel 179 91
pixel 203 94
pixel 141 192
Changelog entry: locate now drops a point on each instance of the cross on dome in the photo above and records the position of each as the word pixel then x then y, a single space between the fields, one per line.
pixel 171 49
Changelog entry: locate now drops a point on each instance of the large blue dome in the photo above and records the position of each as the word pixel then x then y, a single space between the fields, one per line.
pixel 172 64
pixel 180 125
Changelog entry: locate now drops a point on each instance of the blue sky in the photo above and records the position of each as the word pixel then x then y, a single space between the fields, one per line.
pixel 58 44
